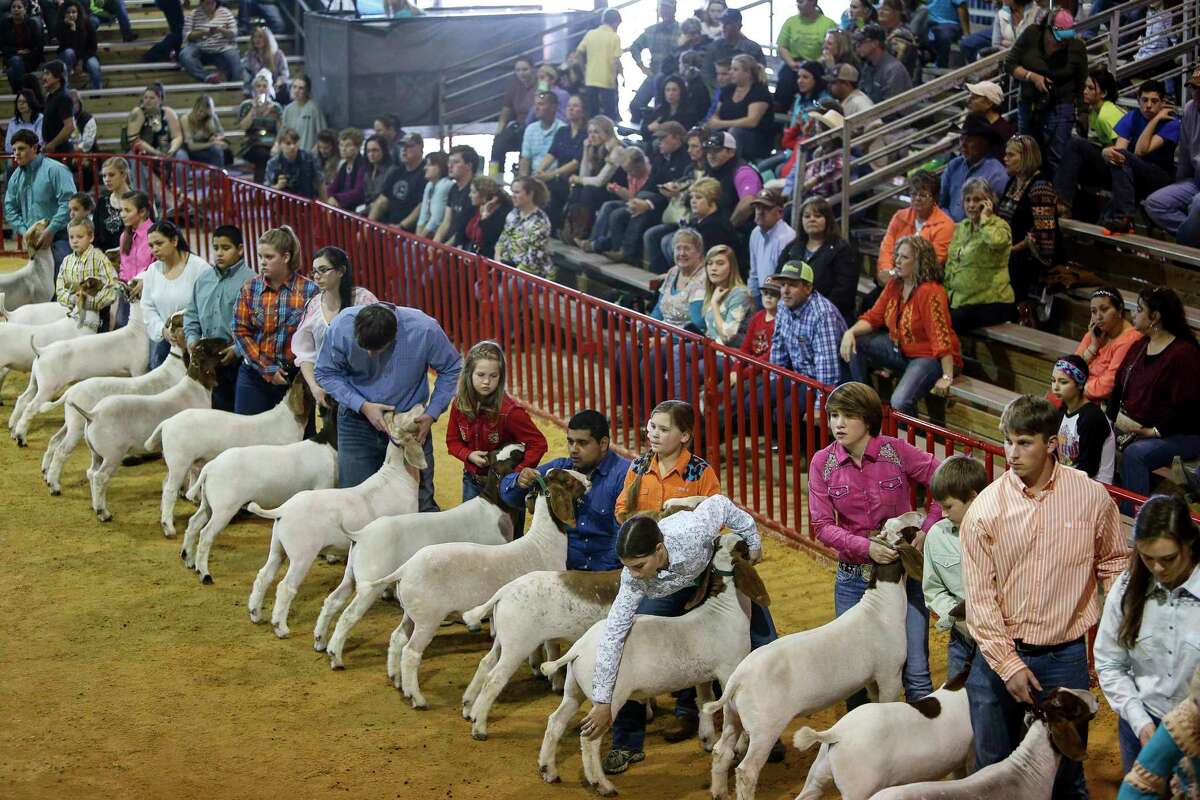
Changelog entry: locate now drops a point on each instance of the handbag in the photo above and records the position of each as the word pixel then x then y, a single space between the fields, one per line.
pixel 577 223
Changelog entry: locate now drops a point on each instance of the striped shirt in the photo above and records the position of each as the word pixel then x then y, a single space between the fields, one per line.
pixel 75 269
pixel 220 30
pixel 1031 562
pixel 264 320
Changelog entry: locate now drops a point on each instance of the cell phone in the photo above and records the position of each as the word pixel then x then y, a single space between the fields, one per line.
pixel 1097 332
pixel 262 98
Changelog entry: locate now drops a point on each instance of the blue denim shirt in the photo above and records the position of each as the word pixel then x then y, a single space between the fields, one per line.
pixel 592 543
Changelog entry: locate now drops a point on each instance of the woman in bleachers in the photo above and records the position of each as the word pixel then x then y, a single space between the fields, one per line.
pixel 706 219
pixel 977 267
pixel 838 49
pixel 259 116
pixel 1030 206
pixel 612 218
pixel 596 169
pixel 523 242
pixel 326 151
pixel 264 53
pixel 1108 339
pixel 907 332
pixel 834 260
pixel 922 218
pixel 77 42
pixel 152 127
pixel 437 191
pixel 710 18
pixel 744 108
pixel 1155 396
pixel 567 151
pixel 346 188
pixel 83 138
pixel 492 205
pixel 671 105
pixel 378 168
pixel 203 137
pixel 726 307
pixel 27 116
pixel 901 41
pixel 858 14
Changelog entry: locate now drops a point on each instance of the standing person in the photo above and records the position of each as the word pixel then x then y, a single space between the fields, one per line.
pixel 484 417
pixel 768 241
pixel 85 261
pixel 1144 653
pixel 660 40
pixel 1037 543
pixel 268 312
pixel 135 243
pixel 168 285
pixel 376 359
pixel 1170 755
pixel 211 35
pixel 592 543
pixel 601 51
pixel 22 43
pixel 303 114
pixel 948 21
pixel 977 269
pixel 518 101
pixel 1085 437
pixel 293 169
pixel 39 189
pixel 114 174
pixel 214 298
pixel 1052 66
pixel 333 275
pixel 58 118
pixel 1109 337
pixel 855 484
pixel 1030 206
pixel 167 47
pixel 523 242
pixel 800 39
pixel 77 42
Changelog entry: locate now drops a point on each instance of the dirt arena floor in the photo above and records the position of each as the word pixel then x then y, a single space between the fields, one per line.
pixel 122 676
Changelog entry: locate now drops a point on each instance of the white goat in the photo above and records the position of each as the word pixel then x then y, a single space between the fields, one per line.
pixel 120 424
pixel 32 283
pixel 1057 729
pixel 807 671
pixel 386 544
pixel 444 578
pixel 19 343
pixel 662 654
pixel 535 608
pixel 245 475
pixel 33 313
pixel 315 520
pixel 87 394
pixel 878 745
pixel 123 352
pixel 199 434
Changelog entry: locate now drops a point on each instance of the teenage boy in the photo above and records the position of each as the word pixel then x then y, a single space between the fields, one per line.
pixel 955 485
pixel 85 261
pixel 1036 543
pixel 292 169
pixel 210 314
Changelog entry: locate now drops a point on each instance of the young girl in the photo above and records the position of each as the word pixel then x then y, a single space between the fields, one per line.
pixel 268 312
pixel 668 469
pixel 135 244
pixel 80 206
pixel 1085 439
pixel 483 417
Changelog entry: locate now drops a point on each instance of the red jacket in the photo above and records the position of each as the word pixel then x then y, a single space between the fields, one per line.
pixel 757 342
pixel 464 436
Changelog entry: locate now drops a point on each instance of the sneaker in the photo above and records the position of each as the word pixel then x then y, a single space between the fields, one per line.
pixel 683 729
pixel 617 761
pixel 213 78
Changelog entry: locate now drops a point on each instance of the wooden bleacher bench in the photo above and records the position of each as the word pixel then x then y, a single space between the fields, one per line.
pixel 981 394
pixel 1083 292
pixel 1029 339
pixel 621 279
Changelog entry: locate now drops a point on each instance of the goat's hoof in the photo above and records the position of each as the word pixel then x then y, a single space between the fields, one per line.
pixel 183 555
pixel 547 775
pixel 207 580
pixel 281 630
pixel 479 737
pixel 319 645
pixel 104 516
pixel 21 442
pixel 475 628
pixel 420 705
pixel 55 491
pixel 606 791
pixel 255 616
pixel 168 531
pixel 336 666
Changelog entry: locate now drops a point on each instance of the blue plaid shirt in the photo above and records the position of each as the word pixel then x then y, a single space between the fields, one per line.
pixel 807 338
pixel 537 140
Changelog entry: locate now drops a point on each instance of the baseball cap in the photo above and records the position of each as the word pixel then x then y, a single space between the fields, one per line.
pixel 719 139
pixel 989 90
pixel 1195 79
pixel 412 139
pixel 844 72
pixel 731 16
pixel 769 197
pixel 670 128
pixel 872 30
pixel 770 286
pixel 795 271
pixel 1062 25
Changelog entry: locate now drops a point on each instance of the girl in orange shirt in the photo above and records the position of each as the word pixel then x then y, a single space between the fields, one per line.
pixel 668 469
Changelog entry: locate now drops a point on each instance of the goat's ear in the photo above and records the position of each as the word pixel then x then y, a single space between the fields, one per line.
pixel 909 533
pixel 747 581
pixel 297 397
pixel 913 561
pixel 531 503
pixel 562 502
pixel 1069 736
pixel 414 455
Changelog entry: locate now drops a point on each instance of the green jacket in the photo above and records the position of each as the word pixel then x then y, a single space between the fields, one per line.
pixel 977 266
pixel 38 190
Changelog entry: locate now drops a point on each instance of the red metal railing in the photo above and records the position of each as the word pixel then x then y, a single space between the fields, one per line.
pixel 566 350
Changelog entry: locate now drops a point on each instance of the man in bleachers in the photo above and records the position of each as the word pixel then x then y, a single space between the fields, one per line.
pixel 732 42
pixel 948 19
pixel 799 40
pixel 882 76
pixel 974 162
pixel 387 126
pixel 691 38
pixel 292 168
pixel 58 118
pixel 660 40
pixel 770 238
pixel 986 101
pixel 22 40
pixel 210 39
pixel 1176 208
pixel 463 162
pixel 724 78
pixel 740 182
pixel 843 85
pixel 539 134
pixel 1084 156
pixel 518 99
pixel 303 113
pixel 401 193
pixel 601 52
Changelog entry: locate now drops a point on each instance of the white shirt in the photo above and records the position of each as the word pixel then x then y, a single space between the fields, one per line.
pixel 306 341
pixel 1153 677
pixel 688 536
pixel 162 297
pixel 765 249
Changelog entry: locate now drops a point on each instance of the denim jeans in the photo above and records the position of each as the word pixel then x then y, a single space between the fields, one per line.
pixel 361 450
pixel 1129 743
pixel 158 352
pixel 876 350
pixel 268 12
pixel 1136 179
pixel 602 240
pixel 1143 456
pixel 1171 205
pixel 1051 126
pixel 998 719
pixel 224 394
pixel 15 69
pixel 942 35
pixel 643 97
pixel 629 724
pixel 973 42
pixel 118 11
pixel 1082 157
pixel 254 394
pixel 1189 231
pixel 598 100
pixel 849 588
pixel 193 60
pixel 958 652
pixel 652 244
pixel 91 65
pixel 161 51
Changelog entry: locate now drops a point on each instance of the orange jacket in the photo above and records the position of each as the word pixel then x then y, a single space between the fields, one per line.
pixel 938 230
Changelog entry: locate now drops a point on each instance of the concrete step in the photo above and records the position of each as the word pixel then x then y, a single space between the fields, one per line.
pixel 113 51
pixel 169 74
pixel 109 124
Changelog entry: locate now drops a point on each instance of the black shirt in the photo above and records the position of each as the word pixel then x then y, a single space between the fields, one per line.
pixel 728 109
pixel 461 211
pixel 566 146
pixel 59 108
pixel 403 189
pixel 107 221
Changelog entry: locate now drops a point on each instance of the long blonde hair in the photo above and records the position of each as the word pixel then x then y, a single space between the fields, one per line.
pixel 272 46
pixel 467 400
pixel 733 281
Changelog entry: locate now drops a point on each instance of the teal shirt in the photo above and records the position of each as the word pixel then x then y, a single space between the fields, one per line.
pixel 942 581
pixel 215 293
pixel 1172 756
pixel 38 190
pixel 977 266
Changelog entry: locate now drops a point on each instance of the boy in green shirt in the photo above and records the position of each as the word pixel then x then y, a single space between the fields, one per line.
pixel 954 486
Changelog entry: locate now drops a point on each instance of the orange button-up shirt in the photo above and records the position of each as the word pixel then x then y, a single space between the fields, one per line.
pixel 691 476
pixel 1031 561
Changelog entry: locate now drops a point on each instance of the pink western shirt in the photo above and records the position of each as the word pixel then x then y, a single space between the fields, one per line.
pixel 846 501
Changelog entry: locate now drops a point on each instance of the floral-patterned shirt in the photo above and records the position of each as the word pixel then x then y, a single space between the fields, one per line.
pixel 523 243
pixel 676 296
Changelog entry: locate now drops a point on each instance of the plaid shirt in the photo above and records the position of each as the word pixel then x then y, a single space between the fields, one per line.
pixel 806 339
pixel 75 269
pixel 264 320
pixel 659 39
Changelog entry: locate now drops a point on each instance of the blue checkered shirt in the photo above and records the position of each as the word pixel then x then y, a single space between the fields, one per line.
pixel 807 338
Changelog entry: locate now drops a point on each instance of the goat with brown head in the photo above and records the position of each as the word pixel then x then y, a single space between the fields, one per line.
pixel 561 488
pixel 1066 713
pixel 745 577
pixel 204 359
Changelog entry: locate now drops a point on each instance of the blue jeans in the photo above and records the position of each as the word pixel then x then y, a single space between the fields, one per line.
pixel 958 652
pixel 91 65
pixel 1137 178
pixel 1129 742
pixel 268 12
pixel 161 51
pixel 254 394
pixel 1171 206
pixel 1051 126
pixel 629 725
pixel 1143 456
pixel 602 240
pixel 118 11
pixel 158 352
pixel 876 350
pixel 849 588
pixel 652 246
pixel 193 60
pixel 998 719
pixel 15 69
pixel 224 394
pixel 1189 231
pixel 361 450
pixel 942 35
pixel 643 97
pixel 972 43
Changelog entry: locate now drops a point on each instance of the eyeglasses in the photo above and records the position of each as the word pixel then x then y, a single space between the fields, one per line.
pixel 323 270
pixel 922 195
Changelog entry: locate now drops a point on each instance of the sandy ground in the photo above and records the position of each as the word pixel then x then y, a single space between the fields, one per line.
pixel 122 676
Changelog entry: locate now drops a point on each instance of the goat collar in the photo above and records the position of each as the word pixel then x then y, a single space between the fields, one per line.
pixel 173 354
pixel 723 572
pixel 543 489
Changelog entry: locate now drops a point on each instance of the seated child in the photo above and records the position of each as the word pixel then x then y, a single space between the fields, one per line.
pixel 1085 437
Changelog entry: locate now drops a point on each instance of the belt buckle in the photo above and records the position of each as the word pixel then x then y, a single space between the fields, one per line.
pixel 867 571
